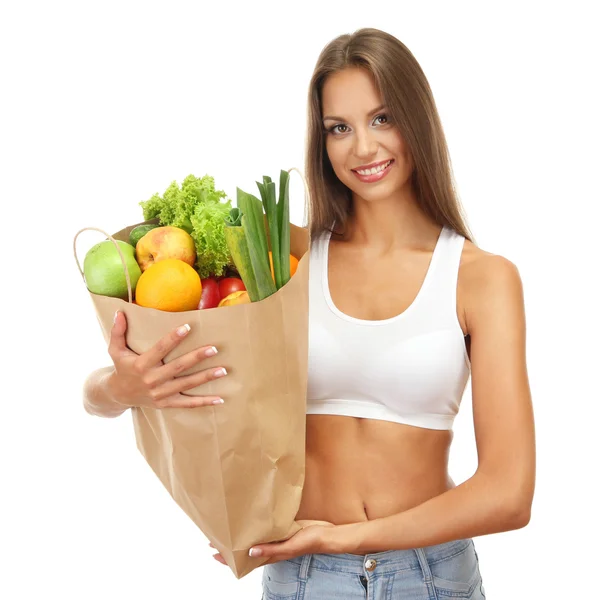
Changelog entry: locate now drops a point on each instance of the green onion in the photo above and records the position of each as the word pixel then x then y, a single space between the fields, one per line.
pixel 268 195
pixel 253 223
pixel 247 229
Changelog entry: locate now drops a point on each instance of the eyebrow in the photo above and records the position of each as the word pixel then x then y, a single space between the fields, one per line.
pixel 331 118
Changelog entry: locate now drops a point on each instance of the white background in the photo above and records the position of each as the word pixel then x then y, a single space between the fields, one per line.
pixel 105 103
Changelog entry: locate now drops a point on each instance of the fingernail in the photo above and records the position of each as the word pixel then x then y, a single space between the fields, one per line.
pixel 115 316
pixel 255 552
pixel 218 401
pixel 220 372
pixel 182 331
pixel 211 351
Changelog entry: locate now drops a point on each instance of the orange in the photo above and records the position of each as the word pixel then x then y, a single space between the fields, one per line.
pixel 169 284
pixel 293 265
pixel 294 261
pixel 239 297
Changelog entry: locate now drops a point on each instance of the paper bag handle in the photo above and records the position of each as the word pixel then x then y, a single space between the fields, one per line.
pixel 304 185
pixel 126 270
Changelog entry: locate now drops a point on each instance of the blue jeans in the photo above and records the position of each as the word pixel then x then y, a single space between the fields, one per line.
pixel 449 570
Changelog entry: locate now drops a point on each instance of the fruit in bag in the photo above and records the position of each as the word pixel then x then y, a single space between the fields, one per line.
pixel 103 270
pixel 165 242
pixel 241 297
pixel 169 284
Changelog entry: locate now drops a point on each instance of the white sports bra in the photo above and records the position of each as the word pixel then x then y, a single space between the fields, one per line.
pixel 412 368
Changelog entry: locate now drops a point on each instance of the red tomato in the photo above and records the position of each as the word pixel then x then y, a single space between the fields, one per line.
pixel 210 293
pixel 228 285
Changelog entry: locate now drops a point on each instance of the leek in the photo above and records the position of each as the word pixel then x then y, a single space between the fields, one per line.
pixel 253 223
pixel 268 195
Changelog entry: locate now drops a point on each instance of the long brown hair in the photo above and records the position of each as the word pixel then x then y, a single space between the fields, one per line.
pixel 411 106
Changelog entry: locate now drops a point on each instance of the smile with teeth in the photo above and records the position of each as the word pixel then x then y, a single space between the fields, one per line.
pixel 374 171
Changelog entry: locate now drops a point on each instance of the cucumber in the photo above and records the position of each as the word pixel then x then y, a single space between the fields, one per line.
pixel 239 250
pixel 138 232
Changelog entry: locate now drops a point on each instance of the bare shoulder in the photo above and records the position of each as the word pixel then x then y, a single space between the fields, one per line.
pixel 483 279
pixel 479 267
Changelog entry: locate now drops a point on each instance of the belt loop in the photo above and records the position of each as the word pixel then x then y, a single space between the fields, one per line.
pixel 304 570
pixel 420 552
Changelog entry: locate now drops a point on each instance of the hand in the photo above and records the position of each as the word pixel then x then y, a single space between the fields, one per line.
pixel 311 538
pixel 144 379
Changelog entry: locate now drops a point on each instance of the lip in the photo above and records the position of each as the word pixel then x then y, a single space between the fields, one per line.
pixel 372 165
pixel 375 177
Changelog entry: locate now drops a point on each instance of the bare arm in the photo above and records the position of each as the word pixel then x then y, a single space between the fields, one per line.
pixel 498 497
pixel 142 380
pixel 98 398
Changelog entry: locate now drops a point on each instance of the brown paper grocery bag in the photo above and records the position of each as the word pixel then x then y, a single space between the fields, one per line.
pixel 237 469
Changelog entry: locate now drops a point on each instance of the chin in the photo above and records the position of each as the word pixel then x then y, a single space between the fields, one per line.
pixel 371 193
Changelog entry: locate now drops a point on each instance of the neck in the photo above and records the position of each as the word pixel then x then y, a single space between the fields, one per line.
pixel 392 224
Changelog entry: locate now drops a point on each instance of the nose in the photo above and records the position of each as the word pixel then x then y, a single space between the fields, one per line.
pixel 365 145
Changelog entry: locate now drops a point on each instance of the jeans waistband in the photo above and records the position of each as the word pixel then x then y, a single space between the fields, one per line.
pixel 390 561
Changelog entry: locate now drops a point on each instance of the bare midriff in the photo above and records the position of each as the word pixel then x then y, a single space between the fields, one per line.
pixel 363 469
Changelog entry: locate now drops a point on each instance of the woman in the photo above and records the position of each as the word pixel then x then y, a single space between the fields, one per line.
pixel 404 307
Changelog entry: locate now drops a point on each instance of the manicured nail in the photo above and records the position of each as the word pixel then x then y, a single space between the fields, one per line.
pixel 218 401
pixel 211 351
pixel 182 331
pixel 255 552
pixel 115 316
pixel 220 372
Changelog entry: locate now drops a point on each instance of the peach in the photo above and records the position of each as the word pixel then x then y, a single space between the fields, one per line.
pixel 165 242
pixel 239 297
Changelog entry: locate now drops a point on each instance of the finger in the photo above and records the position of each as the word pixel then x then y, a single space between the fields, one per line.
pixel 117 344
pixel 162 347
pixel 220 559
pixel 275 550
pixel 188 382
pixel 258 551
pixel 181 364
pixel 179 401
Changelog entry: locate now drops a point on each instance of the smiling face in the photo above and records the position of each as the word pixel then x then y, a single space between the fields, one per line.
pixel 365 149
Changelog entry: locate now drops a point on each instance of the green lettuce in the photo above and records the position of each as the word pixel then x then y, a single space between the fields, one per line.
pixel 198 208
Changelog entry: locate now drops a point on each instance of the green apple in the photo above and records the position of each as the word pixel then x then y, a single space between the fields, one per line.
pixel 103 270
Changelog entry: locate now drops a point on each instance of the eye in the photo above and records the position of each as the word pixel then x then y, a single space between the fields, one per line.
pixel 381 117
pixel 333 129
